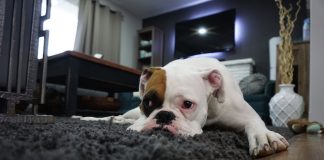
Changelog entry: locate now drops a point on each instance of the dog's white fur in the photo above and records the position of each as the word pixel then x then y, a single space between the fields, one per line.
pixel 217 98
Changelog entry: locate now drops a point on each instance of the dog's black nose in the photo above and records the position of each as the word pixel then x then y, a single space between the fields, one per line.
pixel 164 117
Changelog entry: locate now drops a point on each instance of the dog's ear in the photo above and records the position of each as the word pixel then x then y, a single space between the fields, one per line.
pixel 146 74
pixel 215 80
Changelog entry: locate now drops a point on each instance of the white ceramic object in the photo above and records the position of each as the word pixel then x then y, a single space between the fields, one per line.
pixel 273 42
pixel 285 105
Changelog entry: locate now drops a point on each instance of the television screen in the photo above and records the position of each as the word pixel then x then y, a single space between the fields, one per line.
pixel 213 33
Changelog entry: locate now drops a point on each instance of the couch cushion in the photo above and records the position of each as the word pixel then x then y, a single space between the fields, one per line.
pixel 253 84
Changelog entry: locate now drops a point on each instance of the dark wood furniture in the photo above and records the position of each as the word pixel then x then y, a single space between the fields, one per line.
pixel 301 72
pixel 150 47
pixel 78 70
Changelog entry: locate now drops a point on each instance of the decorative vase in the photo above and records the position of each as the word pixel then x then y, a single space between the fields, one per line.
pixel 285 105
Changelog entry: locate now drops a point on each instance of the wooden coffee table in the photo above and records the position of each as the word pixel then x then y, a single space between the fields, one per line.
pixel 78 70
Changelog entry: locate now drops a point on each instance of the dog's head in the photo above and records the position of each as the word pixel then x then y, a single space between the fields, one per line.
pixel 176 99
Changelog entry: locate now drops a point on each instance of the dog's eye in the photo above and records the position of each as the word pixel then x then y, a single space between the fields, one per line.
pixel 148 103
pixel 187 104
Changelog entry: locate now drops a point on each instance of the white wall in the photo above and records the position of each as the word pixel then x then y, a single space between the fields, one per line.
pixel 316 96
pixel 128 44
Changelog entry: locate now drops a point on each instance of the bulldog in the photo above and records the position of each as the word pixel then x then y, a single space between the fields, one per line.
pixel 187 94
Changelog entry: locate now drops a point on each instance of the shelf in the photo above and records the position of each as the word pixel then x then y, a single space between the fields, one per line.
pixel 146 48
pixel 145 60
pixel 150 47
pixel 146 34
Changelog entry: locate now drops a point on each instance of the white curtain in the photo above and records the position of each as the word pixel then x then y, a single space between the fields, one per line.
pixel 98 30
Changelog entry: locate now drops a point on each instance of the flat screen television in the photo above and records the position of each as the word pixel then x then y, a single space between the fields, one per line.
pixel 213 33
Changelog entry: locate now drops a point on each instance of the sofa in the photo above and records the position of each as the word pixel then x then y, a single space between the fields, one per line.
pixel 259 102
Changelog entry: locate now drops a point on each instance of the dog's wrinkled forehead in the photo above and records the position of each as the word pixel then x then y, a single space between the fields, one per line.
pixel 154 80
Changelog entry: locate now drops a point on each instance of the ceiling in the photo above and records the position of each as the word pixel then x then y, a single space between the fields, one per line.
pixel 149 8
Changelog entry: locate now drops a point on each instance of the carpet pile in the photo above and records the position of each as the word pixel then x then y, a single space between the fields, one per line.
pixel 72 139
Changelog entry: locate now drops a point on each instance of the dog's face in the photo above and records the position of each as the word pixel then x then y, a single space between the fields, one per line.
pixel 177 100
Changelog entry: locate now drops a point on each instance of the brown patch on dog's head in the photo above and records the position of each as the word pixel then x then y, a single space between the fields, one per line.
pixel 152 89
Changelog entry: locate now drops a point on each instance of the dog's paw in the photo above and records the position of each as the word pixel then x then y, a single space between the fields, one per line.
pixel 92 118
pixel 122 120
pixel 76 117
pixel 266 143
pixel 115 119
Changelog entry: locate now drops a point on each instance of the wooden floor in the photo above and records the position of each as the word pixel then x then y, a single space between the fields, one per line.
pixel 302 147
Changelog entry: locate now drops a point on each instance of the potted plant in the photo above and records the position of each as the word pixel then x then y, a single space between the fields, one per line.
pixel 286 104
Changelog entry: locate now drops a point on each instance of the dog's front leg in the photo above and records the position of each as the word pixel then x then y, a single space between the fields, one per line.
pixel 263 142
pixel 240 115
pixel 128 117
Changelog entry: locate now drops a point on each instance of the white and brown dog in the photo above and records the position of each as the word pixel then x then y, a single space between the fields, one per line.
pixel 187 94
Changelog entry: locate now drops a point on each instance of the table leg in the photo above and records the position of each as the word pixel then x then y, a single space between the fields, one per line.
pixel 72 82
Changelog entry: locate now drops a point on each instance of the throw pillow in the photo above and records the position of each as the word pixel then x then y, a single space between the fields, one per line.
pixel 253 84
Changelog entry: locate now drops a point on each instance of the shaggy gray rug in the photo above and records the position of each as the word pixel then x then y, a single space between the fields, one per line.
pixel 70 139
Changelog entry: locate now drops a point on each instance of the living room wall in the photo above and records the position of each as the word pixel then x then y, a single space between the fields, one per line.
pixel 258 22
pixel 128 44
pixel 316 88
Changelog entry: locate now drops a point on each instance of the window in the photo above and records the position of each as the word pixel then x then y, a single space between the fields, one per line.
pixel 62 26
